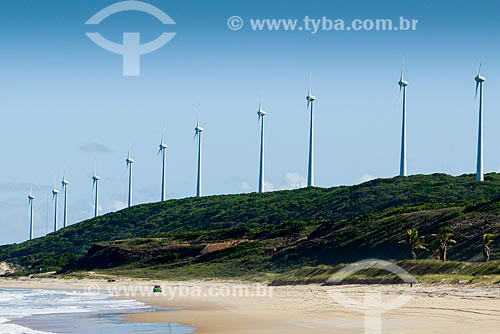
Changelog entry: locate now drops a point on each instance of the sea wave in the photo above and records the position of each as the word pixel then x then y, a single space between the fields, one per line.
pixel 6 328
pixel 20 303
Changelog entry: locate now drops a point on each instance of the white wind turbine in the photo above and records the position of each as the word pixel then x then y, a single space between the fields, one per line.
pixel 261 113
pixel 31 199
pixel 55 197
pixel 64 184
pixel 310 106
pixel 129 161
pixel 163 151
pixel 198 133
pixel 402 86
pixel 95 186
pixel 480 163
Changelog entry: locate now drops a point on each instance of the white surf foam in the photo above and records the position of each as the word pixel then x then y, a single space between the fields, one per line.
pixel 6 328
pixel 19 303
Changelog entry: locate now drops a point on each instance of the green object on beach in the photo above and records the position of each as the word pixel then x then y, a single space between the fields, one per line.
pixel 157 288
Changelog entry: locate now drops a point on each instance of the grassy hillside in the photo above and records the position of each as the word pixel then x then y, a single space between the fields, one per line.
pixel 246 234
pixel 431 271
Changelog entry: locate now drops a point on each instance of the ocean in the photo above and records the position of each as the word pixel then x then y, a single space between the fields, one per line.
pixel 24 311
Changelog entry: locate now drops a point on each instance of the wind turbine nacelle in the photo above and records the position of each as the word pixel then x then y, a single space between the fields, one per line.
pixel 96 178
pixel 55 192
pixel 31 197
pixel 403 83
pixel 64 182
pixel 310 98
pixel 198 129
pixel 479 78
pixel 261 113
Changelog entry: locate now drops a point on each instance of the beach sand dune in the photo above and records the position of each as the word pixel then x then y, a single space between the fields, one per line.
pixel 313 309
pixel 244 308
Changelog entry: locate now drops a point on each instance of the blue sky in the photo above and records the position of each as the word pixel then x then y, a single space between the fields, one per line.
pixel 66 104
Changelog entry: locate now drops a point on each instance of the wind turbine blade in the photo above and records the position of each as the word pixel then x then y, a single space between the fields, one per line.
pixel 310 83
pixel 161 142
pixel 477 85
pixel 401 78
pixel 260 103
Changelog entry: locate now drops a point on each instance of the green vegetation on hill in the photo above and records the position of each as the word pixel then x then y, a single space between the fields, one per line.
pixel 251 234
pixel 432 271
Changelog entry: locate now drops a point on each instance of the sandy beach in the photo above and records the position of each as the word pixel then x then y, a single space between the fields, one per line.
pixel 233 307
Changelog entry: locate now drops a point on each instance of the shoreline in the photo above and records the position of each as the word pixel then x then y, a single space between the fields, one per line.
pixel 219 307
pixel 311 309
pixel 69 306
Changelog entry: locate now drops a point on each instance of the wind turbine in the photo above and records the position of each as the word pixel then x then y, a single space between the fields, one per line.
pixel 55 196
pixel 95 185
pixel 402 86
pixel 163 151
pixel 480 163
pixel 129 161
pixel 64 184
pixel 31 198
pixel 261 113
pixel 198 133
pixel 310 106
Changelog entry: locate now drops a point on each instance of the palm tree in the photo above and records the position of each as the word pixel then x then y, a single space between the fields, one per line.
pixel 415 241
pixel 444 238
pixel 487 240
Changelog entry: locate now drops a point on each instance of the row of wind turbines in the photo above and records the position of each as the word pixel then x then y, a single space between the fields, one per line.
pixel 198 136
pixel 96 178
pixel 479 79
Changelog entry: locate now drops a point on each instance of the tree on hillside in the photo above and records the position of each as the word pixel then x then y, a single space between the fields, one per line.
pixel 415 241
pixel 444 239
pixel 436 254
pixel 487 240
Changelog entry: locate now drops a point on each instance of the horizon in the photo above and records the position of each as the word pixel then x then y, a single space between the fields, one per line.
pixel 68 106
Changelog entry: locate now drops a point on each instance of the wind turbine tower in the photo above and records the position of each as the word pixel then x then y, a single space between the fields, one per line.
pixel 480 161
pixel 64 184
pixel 402 87
pixel 198 133
pixel 31 199
pixel 261 113
pixel 129 161
pixel 95 185
pixel 163 151
pixel 55 197
pixel 310 106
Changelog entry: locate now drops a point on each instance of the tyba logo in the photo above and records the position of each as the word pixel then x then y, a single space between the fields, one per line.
pixel 131 49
